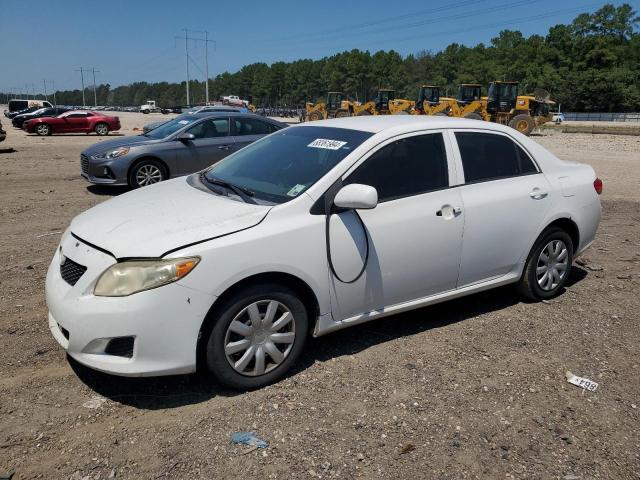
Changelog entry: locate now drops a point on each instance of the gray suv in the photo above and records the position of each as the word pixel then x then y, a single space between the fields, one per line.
pixel 181 146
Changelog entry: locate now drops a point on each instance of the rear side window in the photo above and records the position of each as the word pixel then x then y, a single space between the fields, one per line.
pixel 253 126
pixel 490 157
pixel 406 167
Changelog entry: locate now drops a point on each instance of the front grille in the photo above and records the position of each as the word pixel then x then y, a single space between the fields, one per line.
pixel 71 271
pixel 84 164
pixel 120 347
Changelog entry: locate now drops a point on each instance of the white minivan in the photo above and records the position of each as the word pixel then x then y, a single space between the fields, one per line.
pixel 309 230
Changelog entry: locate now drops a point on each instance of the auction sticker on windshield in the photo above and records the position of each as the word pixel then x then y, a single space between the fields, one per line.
pixel 327 144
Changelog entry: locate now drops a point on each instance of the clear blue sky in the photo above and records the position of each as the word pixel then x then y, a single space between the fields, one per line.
pixel 134 40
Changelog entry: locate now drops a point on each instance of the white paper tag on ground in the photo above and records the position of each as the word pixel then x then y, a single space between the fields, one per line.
pixel 327 144
pixel 581 382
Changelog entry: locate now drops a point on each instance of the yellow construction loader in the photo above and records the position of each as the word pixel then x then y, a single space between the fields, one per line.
pixel 431 103
pixel 336 106
pixel 521 112
pixel 385 103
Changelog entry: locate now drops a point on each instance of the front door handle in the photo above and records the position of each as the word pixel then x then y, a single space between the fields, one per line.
pixel 537 194
pixel 447 211
pixel 224 147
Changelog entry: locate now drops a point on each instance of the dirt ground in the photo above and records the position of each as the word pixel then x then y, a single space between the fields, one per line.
pixel 473 388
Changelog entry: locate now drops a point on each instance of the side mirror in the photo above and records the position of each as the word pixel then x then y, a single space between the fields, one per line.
pixel 356 196
pixel 185 136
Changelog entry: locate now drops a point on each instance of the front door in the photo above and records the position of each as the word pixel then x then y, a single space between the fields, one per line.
pixel 211 144
pixel 413 236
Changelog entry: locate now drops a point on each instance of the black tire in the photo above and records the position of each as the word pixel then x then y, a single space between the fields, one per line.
pixel 342 114
pixel 315 116
pixel 528 285
pixel 101 129
pixel 522 123
pixel 43 129
pixel 146 112
pixel 136 173
pixel 364 113
pixel 216 359
pixel 473 116
pixel 441 114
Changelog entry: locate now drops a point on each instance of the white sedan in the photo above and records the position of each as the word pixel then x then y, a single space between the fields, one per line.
pixel 312 229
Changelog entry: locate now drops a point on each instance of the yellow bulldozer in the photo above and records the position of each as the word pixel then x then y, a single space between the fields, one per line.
pixel 336 106
pixel 385 103
pixel 431 103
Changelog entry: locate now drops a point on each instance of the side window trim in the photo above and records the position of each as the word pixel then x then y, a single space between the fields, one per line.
pixel 457 156
pixel 451 167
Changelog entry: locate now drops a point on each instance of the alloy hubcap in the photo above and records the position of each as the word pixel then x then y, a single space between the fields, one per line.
pixel 148 174
pixel 42 129
pixel 553 264
pixel 102 129
pixel 259 338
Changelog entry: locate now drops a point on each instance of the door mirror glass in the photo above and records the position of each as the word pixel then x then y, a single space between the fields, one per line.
pixel 184 136
pixel 356 196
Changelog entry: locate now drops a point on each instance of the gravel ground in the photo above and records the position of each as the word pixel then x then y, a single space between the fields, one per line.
pixel 473 388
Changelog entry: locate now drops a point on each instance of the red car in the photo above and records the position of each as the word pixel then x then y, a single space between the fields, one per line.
pixel 75 121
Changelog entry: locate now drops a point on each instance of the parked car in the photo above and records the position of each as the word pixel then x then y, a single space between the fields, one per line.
pixel 198 110
pixel 17 105
pixel 18 120
pixel 181 146
pixel 12 115
pixel 73 121
pixel 312 229
pixel 558 117
pixel 3 134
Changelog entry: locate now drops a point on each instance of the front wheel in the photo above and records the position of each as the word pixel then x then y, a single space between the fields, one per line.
pixel 147 172
pixel 43 129
pixel 101 129
pixel 548 265
pixel 256 337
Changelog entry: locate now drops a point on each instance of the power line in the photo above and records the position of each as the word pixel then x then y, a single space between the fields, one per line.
pixel 206 41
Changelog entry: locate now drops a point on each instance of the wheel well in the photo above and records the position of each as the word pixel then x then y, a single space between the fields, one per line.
pixel 570 227
pixel 291 281
pixel 142 159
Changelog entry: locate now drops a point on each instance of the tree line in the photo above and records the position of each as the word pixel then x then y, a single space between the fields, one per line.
pixel 591 64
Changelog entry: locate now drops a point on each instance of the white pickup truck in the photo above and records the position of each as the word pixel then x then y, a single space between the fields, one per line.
pixel 235 100
pixel 149 107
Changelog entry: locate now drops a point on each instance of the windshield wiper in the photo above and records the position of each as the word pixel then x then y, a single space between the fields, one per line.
pixel 244 193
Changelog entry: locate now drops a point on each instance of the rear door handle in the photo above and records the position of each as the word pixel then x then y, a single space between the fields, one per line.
pixel 224 147
pixel 537 194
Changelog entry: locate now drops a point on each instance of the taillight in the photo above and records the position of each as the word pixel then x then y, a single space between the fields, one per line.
pixel 597 184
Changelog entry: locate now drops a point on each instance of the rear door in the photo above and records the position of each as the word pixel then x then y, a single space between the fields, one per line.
pixel 506 199
pixel 211 144
pixel 246 130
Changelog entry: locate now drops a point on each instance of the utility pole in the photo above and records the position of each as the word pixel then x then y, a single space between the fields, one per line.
pixel 95 95
pixel 46 97
pixel 206 41
pixel 26 87
pixel 82 78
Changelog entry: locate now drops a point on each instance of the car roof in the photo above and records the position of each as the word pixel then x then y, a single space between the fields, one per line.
pixel 379 123
pixel 234 114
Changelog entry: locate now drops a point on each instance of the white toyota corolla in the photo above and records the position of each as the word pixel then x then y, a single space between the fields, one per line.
pixel 314 228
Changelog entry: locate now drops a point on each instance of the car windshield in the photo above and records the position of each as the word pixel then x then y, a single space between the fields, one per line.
pixel 172 126
pixel 281 166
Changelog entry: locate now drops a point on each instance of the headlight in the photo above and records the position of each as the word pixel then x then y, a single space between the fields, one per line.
pixel 118 152
pixel 134 276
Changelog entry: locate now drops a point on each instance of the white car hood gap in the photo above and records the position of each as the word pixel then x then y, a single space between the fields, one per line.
pixel 155 220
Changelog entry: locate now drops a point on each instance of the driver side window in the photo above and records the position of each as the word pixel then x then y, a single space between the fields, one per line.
pixel 211 128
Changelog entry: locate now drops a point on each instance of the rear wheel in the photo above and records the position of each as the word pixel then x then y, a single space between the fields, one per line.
pixel 364 113
pixel 401 112
pixel 257 336
pixel 313 116
pixel 43 129
pixel 342 114
pixel 473 116
pixel 441 114
pixel 548 265
pixel 147 172
pixel 101 129
pixel 522 123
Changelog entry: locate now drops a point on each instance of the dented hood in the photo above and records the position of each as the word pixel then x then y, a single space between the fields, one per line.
pixel 153 220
